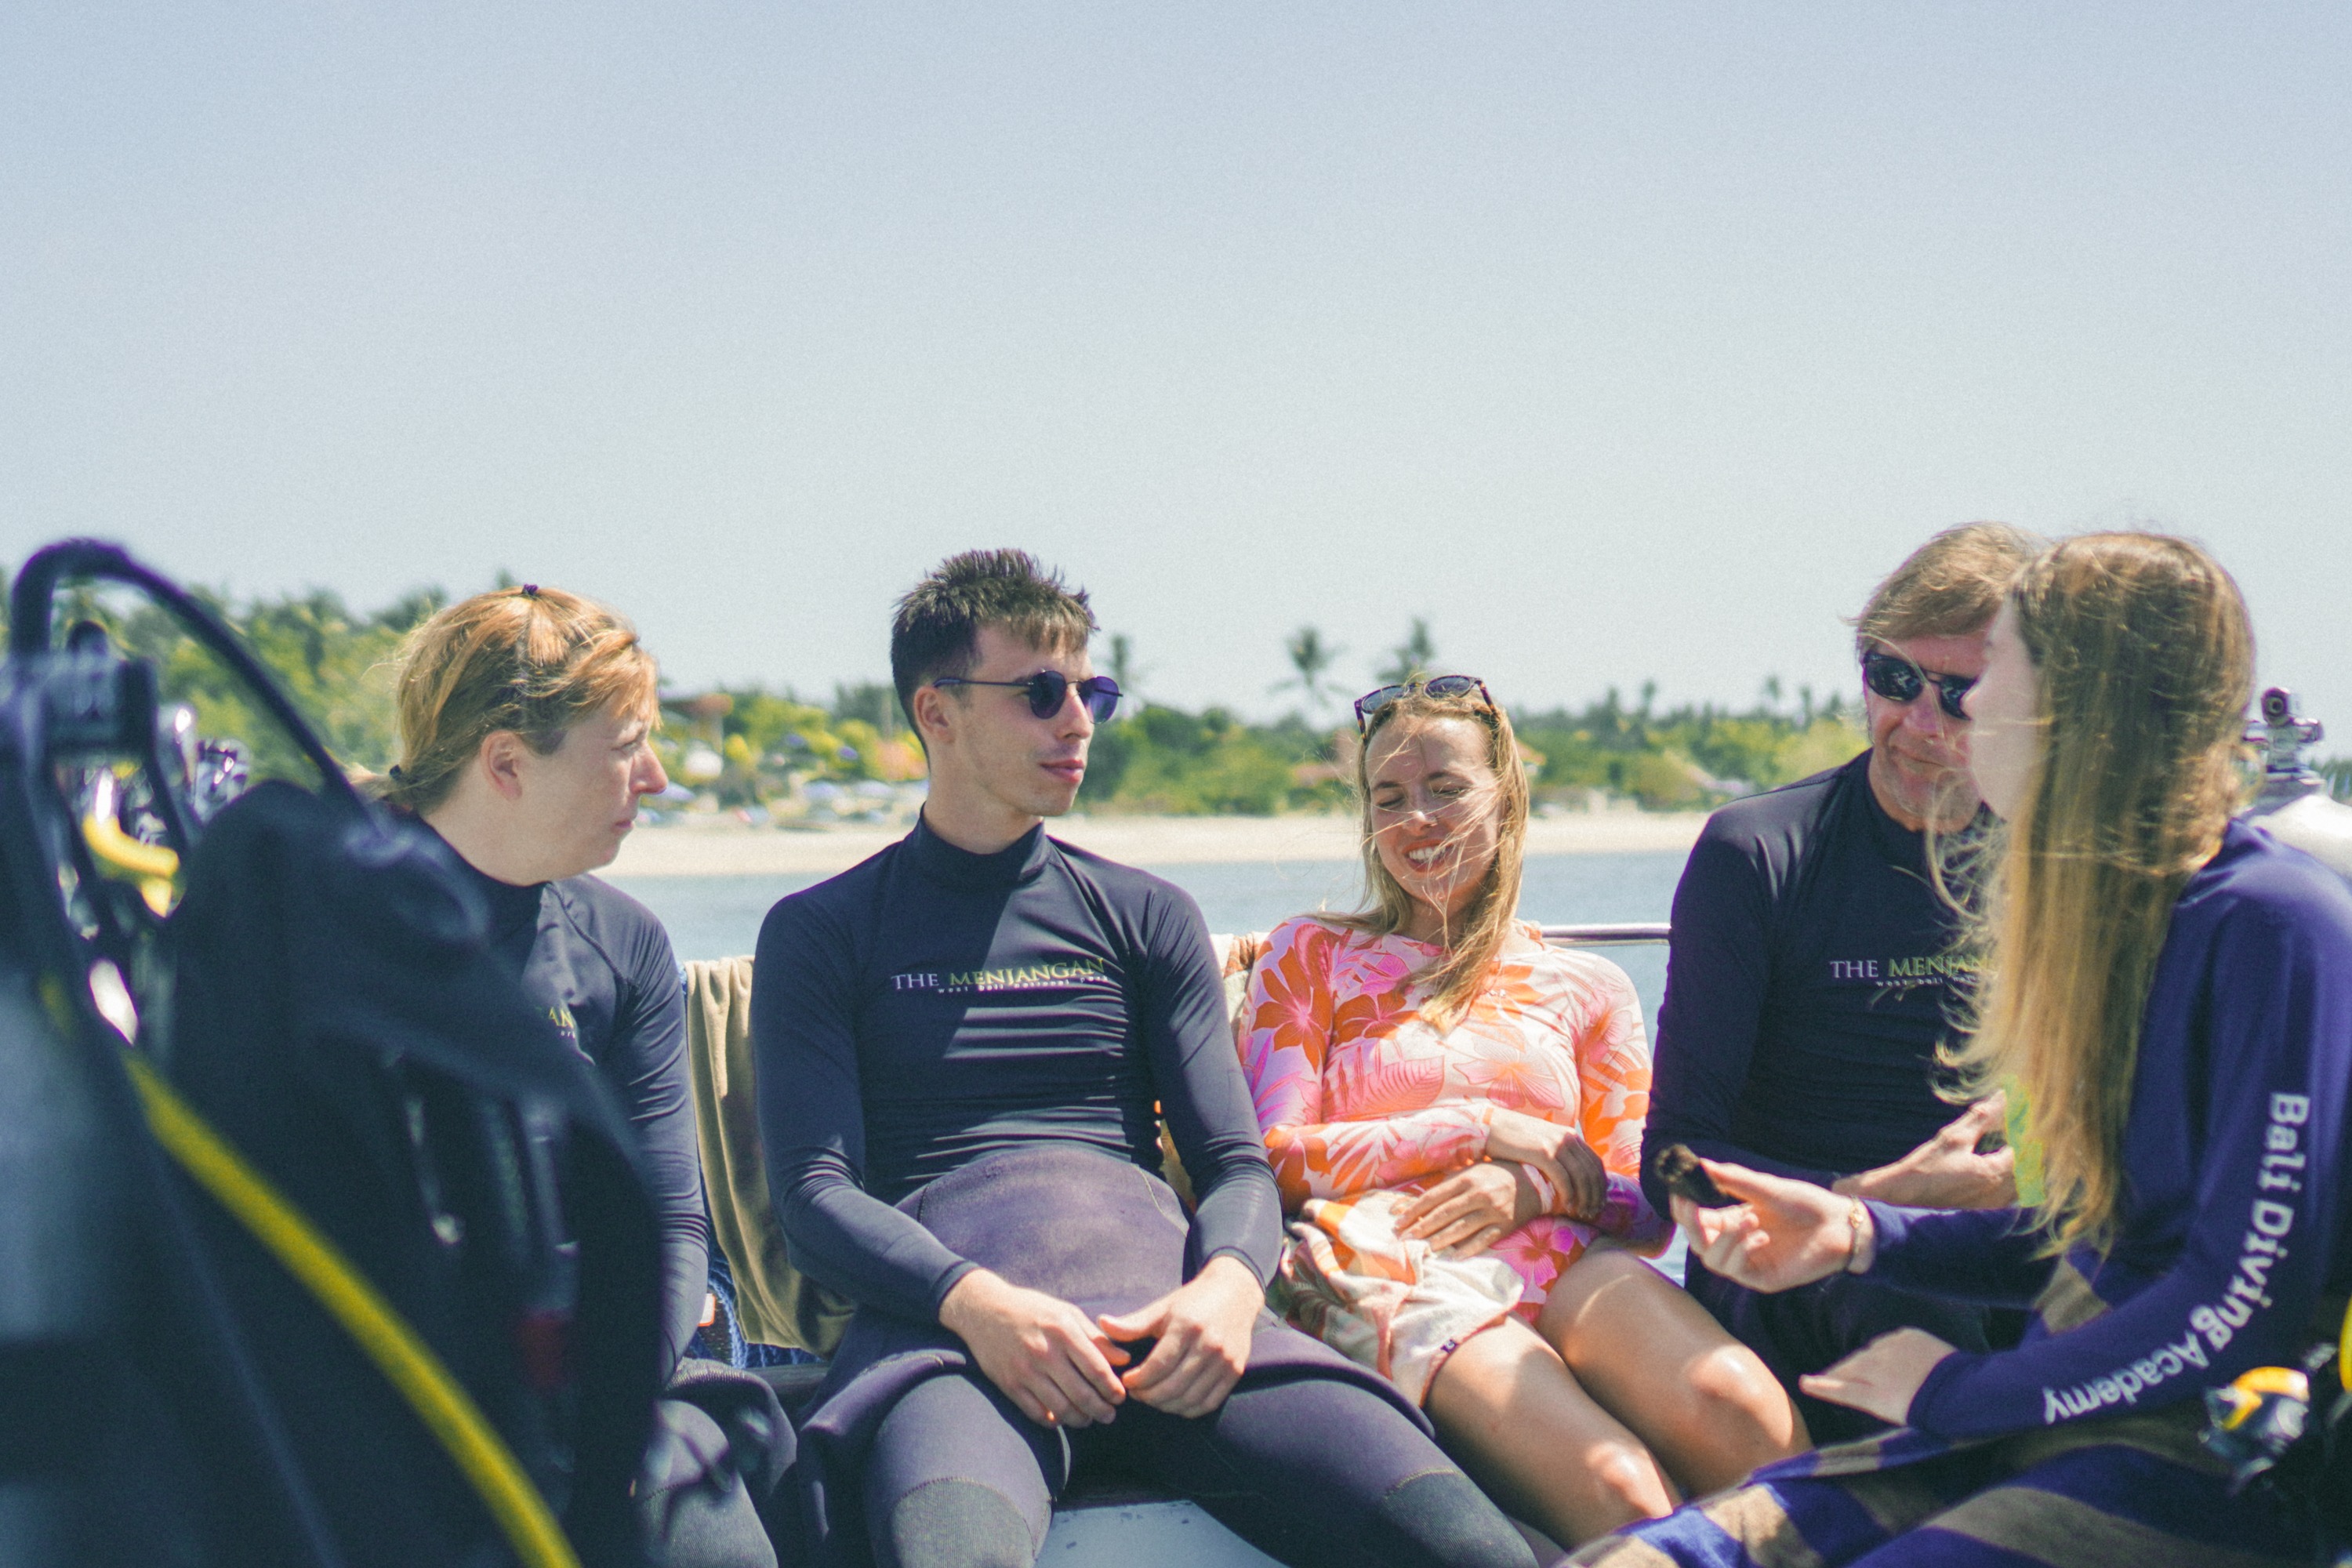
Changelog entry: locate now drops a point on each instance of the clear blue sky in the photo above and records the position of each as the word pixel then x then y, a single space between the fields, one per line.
pixel 1621 342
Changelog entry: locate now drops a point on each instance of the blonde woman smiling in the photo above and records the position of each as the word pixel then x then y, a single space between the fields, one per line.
pixel 1455 1112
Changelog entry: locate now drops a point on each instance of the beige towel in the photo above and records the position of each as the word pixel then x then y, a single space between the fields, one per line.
pixel 777 1305
pixel 1236 955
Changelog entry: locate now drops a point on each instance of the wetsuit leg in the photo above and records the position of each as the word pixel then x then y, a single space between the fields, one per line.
pixel 955 1480
pixel 1317 1471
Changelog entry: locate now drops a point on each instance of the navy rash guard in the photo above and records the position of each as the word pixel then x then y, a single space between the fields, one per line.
pixel 2235 1220
pixel 1808 984
pixel 600 965
pixel 931 1007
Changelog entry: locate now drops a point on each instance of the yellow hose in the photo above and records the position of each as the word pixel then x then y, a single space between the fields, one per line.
pixel 151 866
pixel 439 1401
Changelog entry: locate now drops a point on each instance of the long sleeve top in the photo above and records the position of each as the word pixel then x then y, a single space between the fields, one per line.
pixel 1808 985
pixel 600 965
pixel 2236 1219
pixel 1356 1092
pixel 931 1007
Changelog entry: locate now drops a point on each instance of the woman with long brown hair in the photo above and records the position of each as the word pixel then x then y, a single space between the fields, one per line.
pixel 1454 1114
pixel 2172 991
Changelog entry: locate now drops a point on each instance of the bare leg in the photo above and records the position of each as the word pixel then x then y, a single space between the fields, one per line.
pixel 1704 1404
pixel 1514 1417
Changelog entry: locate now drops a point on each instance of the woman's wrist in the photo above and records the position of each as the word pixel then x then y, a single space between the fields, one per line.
pixel 1861 1236
pixel 1550 1199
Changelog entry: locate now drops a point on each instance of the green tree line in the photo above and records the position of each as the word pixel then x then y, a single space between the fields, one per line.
pixel 747 745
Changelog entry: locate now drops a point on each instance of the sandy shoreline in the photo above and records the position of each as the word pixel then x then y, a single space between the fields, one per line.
pixel 729 849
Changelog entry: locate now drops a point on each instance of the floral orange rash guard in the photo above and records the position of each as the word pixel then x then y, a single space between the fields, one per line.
pixel 1357 1093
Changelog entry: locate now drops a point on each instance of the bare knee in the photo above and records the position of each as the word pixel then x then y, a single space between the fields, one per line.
pixel 1628 1481
pixel 1738 1397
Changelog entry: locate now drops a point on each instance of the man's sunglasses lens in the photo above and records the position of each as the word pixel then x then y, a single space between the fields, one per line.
pixel 1049 689
pixel 1900 680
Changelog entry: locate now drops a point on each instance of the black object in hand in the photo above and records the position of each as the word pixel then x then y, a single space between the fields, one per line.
pixel 1686 1177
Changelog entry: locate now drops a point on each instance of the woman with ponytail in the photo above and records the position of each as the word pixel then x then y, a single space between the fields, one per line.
pixel 525 718
pixel 2172 991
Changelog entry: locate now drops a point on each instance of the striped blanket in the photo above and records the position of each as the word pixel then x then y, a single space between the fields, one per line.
pixel 2128 1491
pixel 2121 1491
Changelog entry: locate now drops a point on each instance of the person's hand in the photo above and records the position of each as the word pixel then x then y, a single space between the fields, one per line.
pixel 1472 1209
pixel 1203 1329
pixel 1556 1150
pixel 1039 1349
pixel 1780 1235
pixel 1882 1377
pixel 1946 1172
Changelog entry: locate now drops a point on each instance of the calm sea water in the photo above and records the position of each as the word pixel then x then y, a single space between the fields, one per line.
pixel 715 917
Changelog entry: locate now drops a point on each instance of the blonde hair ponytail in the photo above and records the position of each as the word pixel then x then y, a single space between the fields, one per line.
pixel 532 660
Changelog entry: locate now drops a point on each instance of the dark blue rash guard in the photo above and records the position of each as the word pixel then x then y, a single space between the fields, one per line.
pixel 2235 1219
pixel 600 965
pixel 931 1007
pixel 1808 985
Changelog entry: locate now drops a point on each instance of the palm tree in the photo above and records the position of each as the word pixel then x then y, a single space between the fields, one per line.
pixel 1417 655
pixel 1123 668
pixel 1311 656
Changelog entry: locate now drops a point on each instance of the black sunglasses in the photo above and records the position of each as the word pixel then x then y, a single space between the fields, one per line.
pixel 1898 679
pixel 1049 689
pixel 1368 706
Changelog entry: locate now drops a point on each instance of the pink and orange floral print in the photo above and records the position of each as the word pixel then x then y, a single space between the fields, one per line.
pixel 1357 1094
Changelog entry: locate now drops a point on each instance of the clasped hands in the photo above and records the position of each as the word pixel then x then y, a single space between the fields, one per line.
pixel 1476 1207
pixel 1063 1368
pixel 1782 1234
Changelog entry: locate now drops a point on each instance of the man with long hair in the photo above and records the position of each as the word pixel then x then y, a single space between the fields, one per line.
pixel 1810 979
pixel 961 1045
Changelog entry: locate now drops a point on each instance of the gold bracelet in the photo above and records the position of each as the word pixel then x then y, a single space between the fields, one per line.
pixel 1853 1214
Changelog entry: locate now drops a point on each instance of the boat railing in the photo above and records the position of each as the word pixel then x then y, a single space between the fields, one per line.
pixel 1617 934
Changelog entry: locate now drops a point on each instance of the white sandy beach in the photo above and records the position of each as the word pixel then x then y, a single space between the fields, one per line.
pixel 727 849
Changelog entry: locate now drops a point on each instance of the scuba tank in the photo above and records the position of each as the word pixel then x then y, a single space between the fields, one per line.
pixel 2294 806
pixel 317 1245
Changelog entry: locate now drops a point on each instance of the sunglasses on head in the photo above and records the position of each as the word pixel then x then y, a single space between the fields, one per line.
pixel 1369 705
pixel 1896 679
pixel 1049 689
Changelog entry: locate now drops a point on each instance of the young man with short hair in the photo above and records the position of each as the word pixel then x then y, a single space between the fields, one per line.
pixel 961 1045
pixel 1810 977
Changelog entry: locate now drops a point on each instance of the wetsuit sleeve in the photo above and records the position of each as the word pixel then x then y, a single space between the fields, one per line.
pixel 645 1063
pixel 1718 970
pixel 1990 1257
pixel 812 1124
pixel 2242 1290
pixel 1189 1045
pixel 1289 1012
